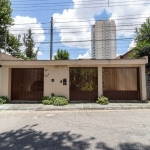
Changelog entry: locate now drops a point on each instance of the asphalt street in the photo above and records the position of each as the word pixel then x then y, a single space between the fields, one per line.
pixel 75 130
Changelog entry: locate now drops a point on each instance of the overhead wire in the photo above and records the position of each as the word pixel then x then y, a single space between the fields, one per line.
pixel 86 3
pixel 45 9
pixel 55 2
pixel 35 28
pixel 81 21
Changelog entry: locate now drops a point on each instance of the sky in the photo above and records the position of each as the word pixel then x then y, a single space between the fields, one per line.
pixel 72 21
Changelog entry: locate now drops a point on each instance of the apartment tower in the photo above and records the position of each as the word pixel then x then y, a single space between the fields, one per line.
pixel 103 36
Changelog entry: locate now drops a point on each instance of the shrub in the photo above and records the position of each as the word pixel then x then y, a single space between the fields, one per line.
pixel 5 98
pixel 2 101
pixel 102 100
pixel 47 102
pixel 55 100
pixel 45 98
pixel 59 100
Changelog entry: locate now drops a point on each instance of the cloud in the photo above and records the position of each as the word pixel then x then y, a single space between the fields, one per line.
pixel 87 10
pixel 118 55
pixel 22 24
pixel 84 56
pixel 53 56
pixel 132 45
pixel 40 53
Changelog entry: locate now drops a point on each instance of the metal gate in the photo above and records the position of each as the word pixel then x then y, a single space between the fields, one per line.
pixel 84 84
pixel 121 83
pixel 27 84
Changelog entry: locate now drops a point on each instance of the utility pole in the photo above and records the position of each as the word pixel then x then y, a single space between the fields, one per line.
pixel 5 39
pixel 51 39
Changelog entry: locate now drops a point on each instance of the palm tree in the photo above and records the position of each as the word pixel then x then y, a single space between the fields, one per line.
pixel 61 55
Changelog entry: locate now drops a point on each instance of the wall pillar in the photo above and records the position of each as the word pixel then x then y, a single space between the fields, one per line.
pixel 100 81
pixel 6 82
pixel 143 83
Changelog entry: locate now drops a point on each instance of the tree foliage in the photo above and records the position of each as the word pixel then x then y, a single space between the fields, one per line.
pixel 142 40
pixel 61 55
pixel 5 20
pixel 5 14
pixel 30 45
pixel 13 43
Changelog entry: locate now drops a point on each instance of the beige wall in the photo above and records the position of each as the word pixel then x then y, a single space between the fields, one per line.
pixel 58 70
pixel 57 73
pixel 143 83
pixel 6 82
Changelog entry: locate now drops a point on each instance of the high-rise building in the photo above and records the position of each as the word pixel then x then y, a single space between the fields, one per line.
pixel 103 36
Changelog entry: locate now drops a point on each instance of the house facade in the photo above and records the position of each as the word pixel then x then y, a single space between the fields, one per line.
pixel 78 80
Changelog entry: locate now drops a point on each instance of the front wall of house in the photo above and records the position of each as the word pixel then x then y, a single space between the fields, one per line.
pixel 53 80
pixel 58 73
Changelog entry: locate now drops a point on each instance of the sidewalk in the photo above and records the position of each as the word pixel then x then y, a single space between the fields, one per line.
pixel 75 106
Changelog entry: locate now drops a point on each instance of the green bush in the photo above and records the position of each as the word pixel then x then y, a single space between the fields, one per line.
pixel 102 100
pixel 2 101
pixel 55 100
pixel 47 102
pixel 45 98
pixel 59 100
pixel 5 98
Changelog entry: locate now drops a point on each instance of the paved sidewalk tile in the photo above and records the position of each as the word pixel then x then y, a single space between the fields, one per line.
pixel 71 106
pixel 74 106
pixel 47 107
pixel 94 106
pixel 86 106
pixel 79 106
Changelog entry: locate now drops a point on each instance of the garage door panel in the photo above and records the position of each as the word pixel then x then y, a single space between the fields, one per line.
pixel 27 84
pixel 84 84
pixel 121 83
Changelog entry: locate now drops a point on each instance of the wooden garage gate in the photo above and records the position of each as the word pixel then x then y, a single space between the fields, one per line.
pixel 27 84
pixel 83 84
pixel 121 83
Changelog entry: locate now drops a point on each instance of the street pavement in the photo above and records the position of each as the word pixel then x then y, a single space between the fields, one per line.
pixel 75 130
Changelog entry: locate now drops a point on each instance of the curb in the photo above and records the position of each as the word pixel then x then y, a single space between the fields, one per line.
pixel 78 109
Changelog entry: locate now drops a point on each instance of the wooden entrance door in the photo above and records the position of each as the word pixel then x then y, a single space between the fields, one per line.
pixel 121 83
pixel 27 84
pixel 84 84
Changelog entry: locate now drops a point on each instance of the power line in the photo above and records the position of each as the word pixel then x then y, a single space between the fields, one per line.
pixel 89 3
pixel 20 29
pixel 118 43
pixel 78 21
pixel 78 32
pixel 97 20
pixel 82 7
pixel 55 3
pixel 82 41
